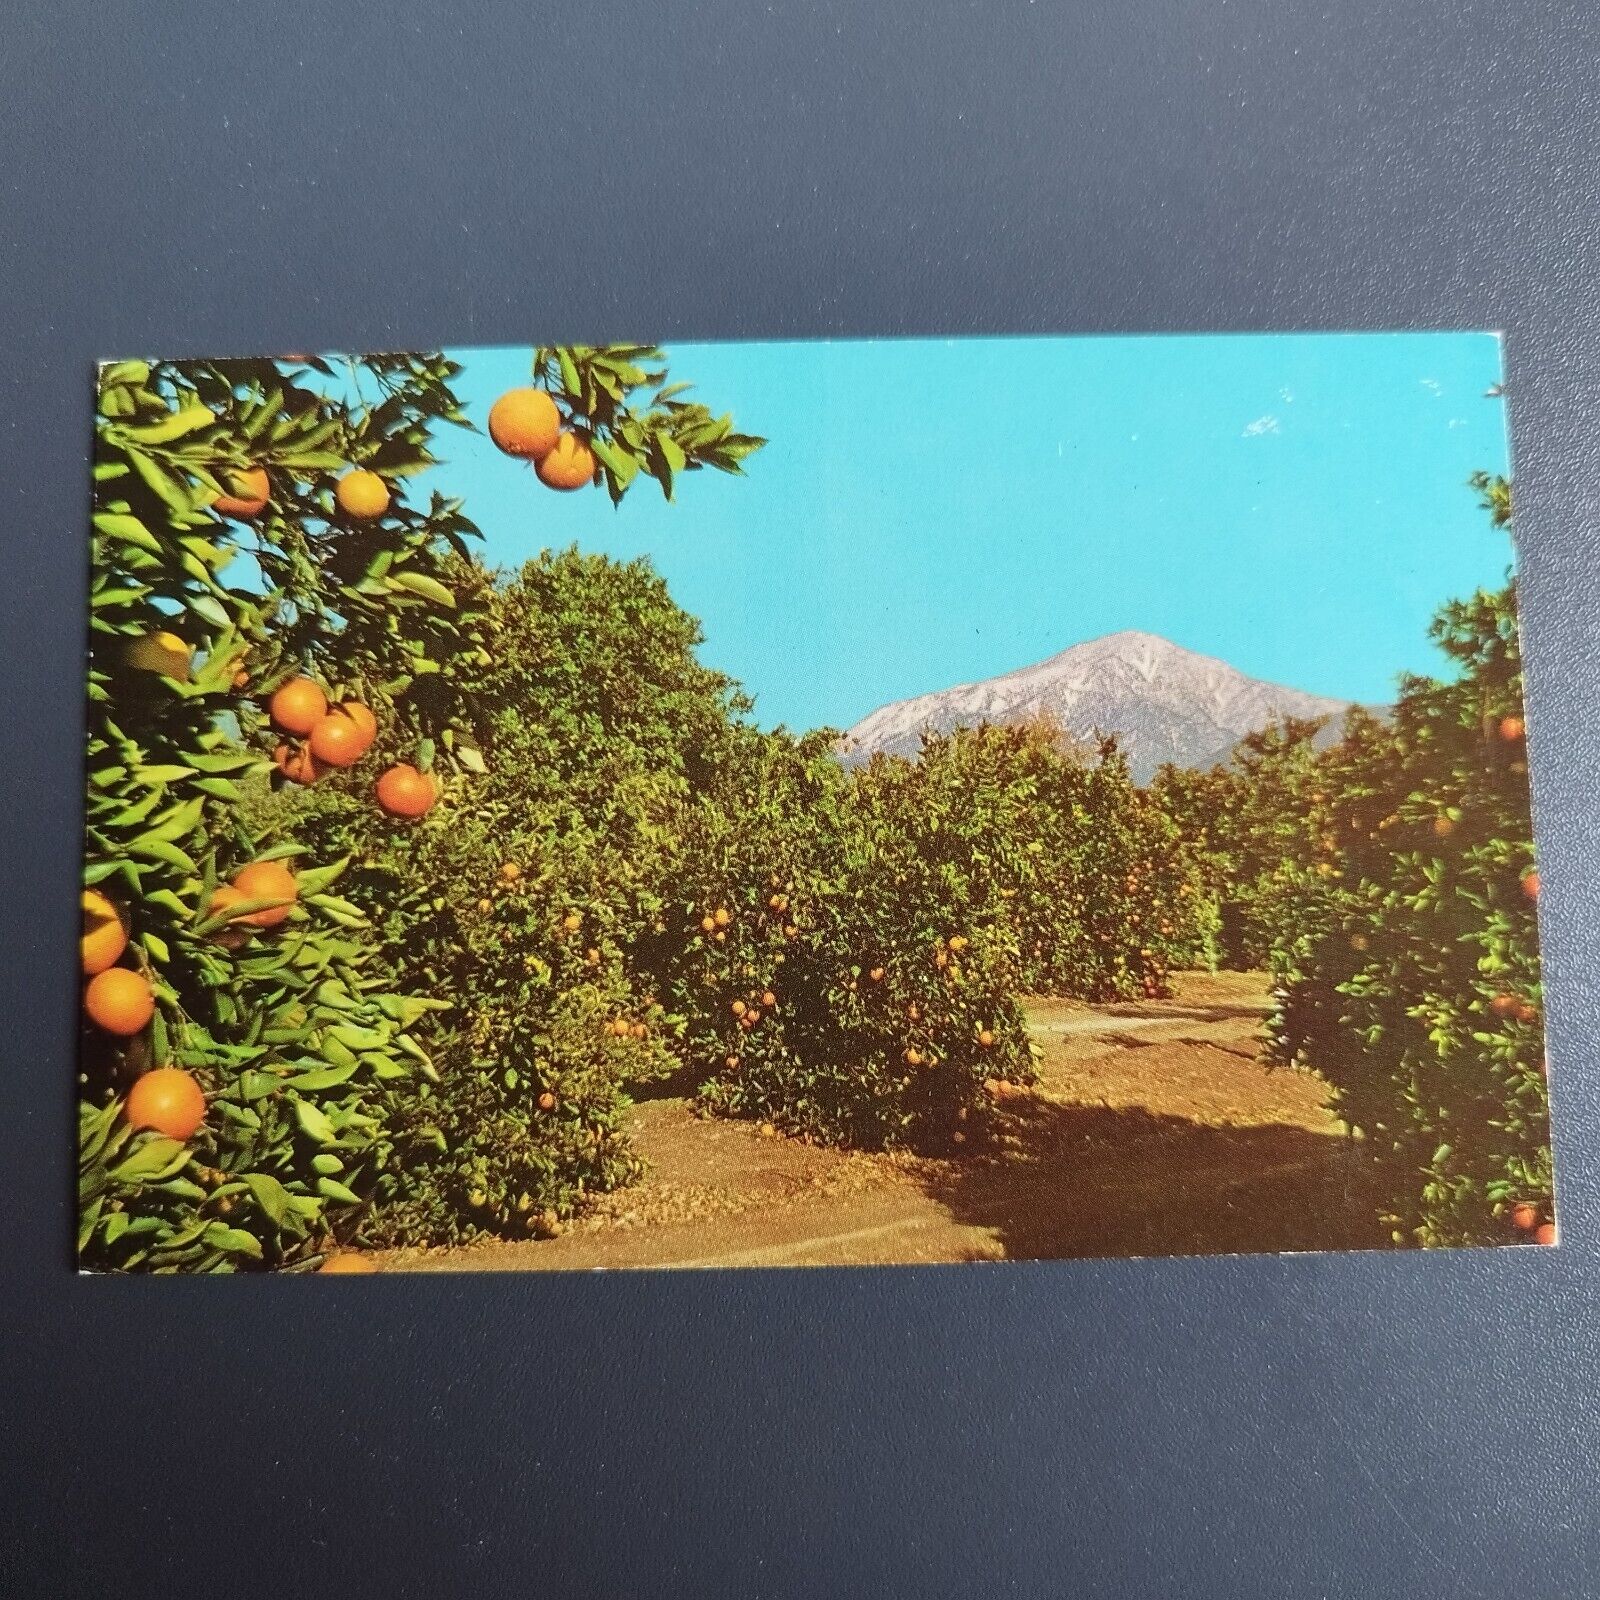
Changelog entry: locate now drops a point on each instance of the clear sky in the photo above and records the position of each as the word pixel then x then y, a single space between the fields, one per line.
pixel 930 512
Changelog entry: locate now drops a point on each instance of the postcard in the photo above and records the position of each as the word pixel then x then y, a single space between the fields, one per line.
pixel 807 804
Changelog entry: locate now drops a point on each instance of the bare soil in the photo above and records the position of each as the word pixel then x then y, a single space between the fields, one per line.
pixel 1156 1129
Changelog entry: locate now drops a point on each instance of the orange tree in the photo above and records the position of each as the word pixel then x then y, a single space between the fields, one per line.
pixel 1415 987
pixel 249 529
pixel 527 899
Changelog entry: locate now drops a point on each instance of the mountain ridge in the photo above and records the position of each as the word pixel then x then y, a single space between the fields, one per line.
pixel 1164 702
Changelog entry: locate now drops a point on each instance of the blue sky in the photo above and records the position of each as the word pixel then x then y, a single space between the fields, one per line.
pixel 931 512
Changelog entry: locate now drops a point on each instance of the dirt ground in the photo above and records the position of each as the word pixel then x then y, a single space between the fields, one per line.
pixel 1155 1130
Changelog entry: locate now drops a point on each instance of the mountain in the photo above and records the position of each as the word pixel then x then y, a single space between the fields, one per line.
pixel 1164 702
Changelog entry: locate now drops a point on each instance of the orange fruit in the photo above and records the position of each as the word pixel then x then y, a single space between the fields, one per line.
pixel 167 1100
pixel 572 921
pixel 1526 1011
pixel 267 880
pixel 640 1031
pixel 547 1101
pixel 338 740
pixel 1545 1233
pixel 297 764
pixel 404 792
pixel 362 495
pixel 985 1038
pixel 569 464
pixel 105 934
pixel 348 1261
pixel 1503 1005
pixel 297 706
pixel 721 916
pixel 1443 827
pixel 1525 1216
pixel 1530 883
pixel 1512 729
pixel 510 871
pixel 119 1000
pixel 235 934
pixel 161 652
pixel 246 495
pixel 738 1008
pixel 768 999
pixel 876 974
pixel 708 924
pixel 525 423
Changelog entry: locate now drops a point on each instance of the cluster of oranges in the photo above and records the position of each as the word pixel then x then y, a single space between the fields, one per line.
pixel 324 736
pixel 361 495
pixel 1527 1219
pixel 526 423
pixel 120 1001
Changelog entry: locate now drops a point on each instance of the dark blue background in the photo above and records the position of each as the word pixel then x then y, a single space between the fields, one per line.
pixel 219 178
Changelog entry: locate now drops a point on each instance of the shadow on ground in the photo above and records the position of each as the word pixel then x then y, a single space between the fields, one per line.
pixel 1066 1181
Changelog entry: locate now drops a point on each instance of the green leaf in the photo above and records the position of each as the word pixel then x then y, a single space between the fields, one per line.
pixel 269 1194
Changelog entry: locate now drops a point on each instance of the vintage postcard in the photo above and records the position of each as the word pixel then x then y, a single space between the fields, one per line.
pixel 919 801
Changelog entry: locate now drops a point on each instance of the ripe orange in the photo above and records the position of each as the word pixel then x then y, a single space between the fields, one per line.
pixel 298 706
pixel 1525 1215
pixel 958 942
pixel 246 496
pixel 119 1000
pixel 1443 827
pixel 739 1008
pixel 297 764
pixel 569 464
pixel 510 871
pixel 105 935
pixel 348 1261
pixel 1530 883
pixel 1512 729
pixel 1526 1011
pixel 1545 1233
pixel 362 495
pixel 267 880
pixel 708 924
pixel 547 1101
pixel 985 1038
pixel 572 921
pixel 768 999
pixel 235 934
pixel 404 792
pixel 721 916
pixel 525 423
pixel 876 974
pixel 640 1031
pixel 167 1100
pixel 338 740
pixel 913 1058
pixel 1504 1005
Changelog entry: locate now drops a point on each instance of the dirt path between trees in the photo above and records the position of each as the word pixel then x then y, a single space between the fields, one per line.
pixel 1155 1129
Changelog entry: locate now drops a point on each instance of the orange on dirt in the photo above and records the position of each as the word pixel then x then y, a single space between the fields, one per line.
pixel 1525 1216
pixel 348 1261
pixel 958 942
pixel 161 652
pixel 547 1101
pixel 246 495
pixel 876 974
pixel 1443 827
pixel 402 791
pixel 297 764
pixel 985 1038
pixel 1545 1233
pixel 738 1008
pixel 105 934
pixel 525 423
pixel 1530 884
pixel 708 924
pixel 168 1101
pixel 297 706
pixel 1504 1005
pixel 1526 1011
pixel 362 495
pixel 267 880
pixel 768 999
pixel 1512 729
pixel 338 740
pixel 569 464
pixel 510 871
pixel 913 1058
pixel 119 1000
pixel 572 921
pixel 722 916
pixel 640 1031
